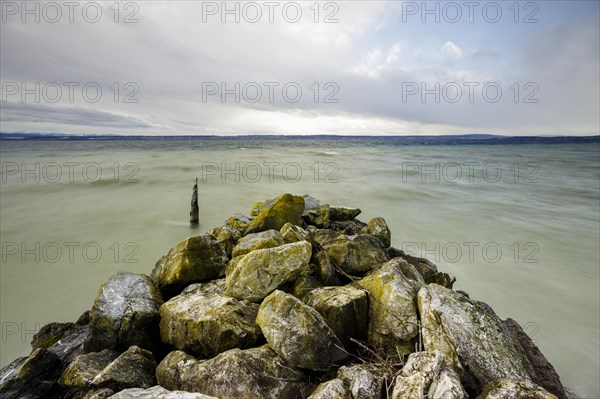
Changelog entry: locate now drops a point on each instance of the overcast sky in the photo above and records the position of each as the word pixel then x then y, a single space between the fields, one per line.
pixel 306 67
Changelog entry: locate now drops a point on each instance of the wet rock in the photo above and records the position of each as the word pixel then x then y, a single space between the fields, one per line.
pixel 470 338
pixel 334 389
pixel 343 213
pixel 208 325
pixel 158 392
pixel 345 310
pixel 322 237
pixel 194 260
pixel 545 375
pixel 356 255
pixel 317 216
pixel 69 347
pixel 377 227
pixel 227 236
pixel 514 389
pixel 32 377
pixel 257 274
pixel 426 375
pixel 326 270
pixel 304 285
pixel 365 381
pixel 125 313
pixel 82 371
pixel 298 333
pixel 134 368
pixel 262 240
pixel 292 233
pixel 255 373
pixel 286 208
pixel 51 333
pixel 393 319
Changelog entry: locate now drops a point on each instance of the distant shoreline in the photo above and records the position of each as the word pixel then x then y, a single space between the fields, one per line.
pixel 467 139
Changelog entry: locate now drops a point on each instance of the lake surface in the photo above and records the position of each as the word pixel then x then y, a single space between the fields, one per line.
pixel 518 225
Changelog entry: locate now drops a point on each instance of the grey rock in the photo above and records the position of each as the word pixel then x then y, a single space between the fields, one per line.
pixel 125 313
pixel 365 381
pixel 334 389
pixel 134 368
pixel 262 240
pixel 356 255
pixel 514 389
pixel 298 333
pixel 157 392
pixel 343 213
pixel 377 227
pixel 82 371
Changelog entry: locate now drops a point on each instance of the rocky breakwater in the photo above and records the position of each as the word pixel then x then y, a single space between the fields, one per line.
pixel 298 299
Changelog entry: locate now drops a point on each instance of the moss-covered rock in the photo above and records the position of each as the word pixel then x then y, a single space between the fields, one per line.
pixel 239 221
pixel 227 236
pixel 322 237
pixel 85 368
pixel 32 377
pixel 425 267
pixel 333 389
pixel 134 368
pixel 514 389
pixel 284 209
pixel 377 227
pixel 343 213
pixel 51 333
pixel 257 274
pixel 292 233
pixel 298 333
pixel 356 255
pixel 304 285
pixel 255 373
pixel 393 319
pixel 157 392
pixel 349 227
pixel 125 313
pixel 471 339
pixel 345 309
pixel 262 240
pixel 426 375
pixel 209 288
pixel 325 269
pixel 208 324
pixel 194 260
pixel 317 216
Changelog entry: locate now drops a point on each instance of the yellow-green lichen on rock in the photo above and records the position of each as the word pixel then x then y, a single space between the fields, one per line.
pixel 286 208
pixel 196 259
pixel 298 333
pixel 257 274
pixel 208 324
pixel 254 241
pixel 470 337
pixel 357 254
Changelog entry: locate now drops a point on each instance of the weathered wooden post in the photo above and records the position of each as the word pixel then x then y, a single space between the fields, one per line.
pixel 194 217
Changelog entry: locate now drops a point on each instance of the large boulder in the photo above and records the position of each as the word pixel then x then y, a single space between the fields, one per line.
pixel 276 213
pixel 157 392
pixel 194 260
pixel 208 325
pixel 262 240
pixel 393 319
pixel 257 274
pixel 255 373
pixel 345 309
pixel 426 375
pixel 298 333
pixel 472 339
pixel 357 254
pixel 51 333
pixel 506 388
pixel 125 313
pixel 377 227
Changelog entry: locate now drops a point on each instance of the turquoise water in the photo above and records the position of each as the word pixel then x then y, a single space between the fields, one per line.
pixel 518 225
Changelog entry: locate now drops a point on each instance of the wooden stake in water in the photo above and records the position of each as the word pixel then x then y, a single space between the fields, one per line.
pixel 194 217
